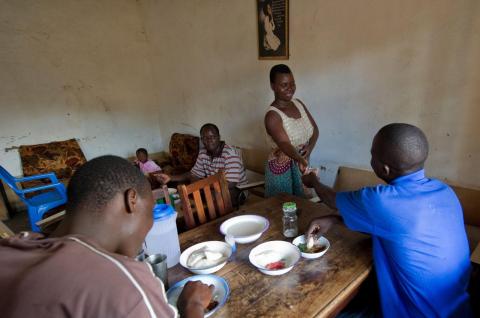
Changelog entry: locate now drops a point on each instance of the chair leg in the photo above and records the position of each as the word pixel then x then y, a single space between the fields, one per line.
pixel 34 216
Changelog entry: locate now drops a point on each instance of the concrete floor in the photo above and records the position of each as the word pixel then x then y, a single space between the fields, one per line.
pixel 18 221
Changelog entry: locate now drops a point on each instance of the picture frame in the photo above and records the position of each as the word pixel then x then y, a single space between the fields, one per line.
pixel 273 29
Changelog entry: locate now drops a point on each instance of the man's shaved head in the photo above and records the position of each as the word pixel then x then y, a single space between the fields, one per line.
pixel 402 147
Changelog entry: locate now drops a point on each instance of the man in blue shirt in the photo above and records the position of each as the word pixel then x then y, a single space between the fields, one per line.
pixel 420 247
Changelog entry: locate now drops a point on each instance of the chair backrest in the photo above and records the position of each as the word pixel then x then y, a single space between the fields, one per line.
pixel 253 159
pixel 470 200
pixel 350 179
pixel 219 202
pixel 9 179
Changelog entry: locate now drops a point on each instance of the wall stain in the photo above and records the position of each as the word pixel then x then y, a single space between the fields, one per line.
pixel 11 148
pixel 88 138
pixel 104 104
pixel 40 36
pixel 13 139
pixel 188 125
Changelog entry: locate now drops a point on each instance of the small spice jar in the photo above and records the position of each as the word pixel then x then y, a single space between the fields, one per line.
pixel 290 227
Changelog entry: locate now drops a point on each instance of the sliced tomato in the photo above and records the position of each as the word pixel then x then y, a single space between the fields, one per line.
pixel 276 265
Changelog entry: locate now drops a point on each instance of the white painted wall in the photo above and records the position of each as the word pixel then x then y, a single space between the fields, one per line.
pixel 358 66
pixel 122 74
pixel 75 69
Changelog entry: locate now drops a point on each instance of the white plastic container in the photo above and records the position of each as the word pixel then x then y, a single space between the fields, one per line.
pixel 163 236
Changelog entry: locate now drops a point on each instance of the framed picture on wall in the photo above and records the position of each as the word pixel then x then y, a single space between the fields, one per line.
pixel 272 16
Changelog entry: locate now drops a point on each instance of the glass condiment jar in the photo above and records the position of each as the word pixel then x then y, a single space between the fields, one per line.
pixel 290 227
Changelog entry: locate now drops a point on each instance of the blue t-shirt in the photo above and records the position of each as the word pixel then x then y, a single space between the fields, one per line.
pixel 420 247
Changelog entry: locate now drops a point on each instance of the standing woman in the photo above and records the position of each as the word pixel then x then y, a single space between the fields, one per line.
pixel 293 134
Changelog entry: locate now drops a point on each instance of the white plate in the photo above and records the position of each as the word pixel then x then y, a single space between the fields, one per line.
pixel 286 251
pixel 320 241
pixel 216 246
pixel 245 228
pixel 220 293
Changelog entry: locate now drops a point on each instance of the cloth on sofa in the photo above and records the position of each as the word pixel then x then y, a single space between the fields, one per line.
pixel 60 157
pixel 184 152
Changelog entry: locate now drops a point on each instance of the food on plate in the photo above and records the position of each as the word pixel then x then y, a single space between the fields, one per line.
pixel 310 242
pixel 271 260
pixel 213 303
pixel 204 257
pixel 275 265
pixel 303 247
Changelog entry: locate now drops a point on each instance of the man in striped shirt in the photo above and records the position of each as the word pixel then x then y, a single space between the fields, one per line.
pixel 215 156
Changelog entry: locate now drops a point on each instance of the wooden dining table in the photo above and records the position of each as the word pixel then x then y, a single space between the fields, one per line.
pixel 313 288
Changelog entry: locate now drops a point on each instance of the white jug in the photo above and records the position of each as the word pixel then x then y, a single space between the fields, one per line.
pixel 163 237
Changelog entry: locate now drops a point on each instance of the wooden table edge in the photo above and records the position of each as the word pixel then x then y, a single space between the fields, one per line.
pixel 345 296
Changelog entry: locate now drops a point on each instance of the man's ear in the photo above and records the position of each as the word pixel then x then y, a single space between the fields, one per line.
pixel 271 86
pixel 131 197
pixel 386 170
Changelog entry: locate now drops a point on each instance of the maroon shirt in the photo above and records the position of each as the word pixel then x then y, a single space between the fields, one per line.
pixel 73 277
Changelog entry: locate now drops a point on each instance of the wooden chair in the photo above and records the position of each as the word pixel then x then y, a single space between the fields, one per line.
pixel 218 202
pixel 351 179
pixel 253 161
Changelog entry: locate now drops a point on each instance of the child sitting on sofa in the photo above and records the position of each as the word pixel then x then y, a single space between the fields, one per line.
pixel 147 166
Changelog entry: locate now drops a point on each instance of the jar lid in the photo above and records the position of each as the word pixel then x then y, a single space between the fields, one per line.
pixel 289 207
pixel 162 211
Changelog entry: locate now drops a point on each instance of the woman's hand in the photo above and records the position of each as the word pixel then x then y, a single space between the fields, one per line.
pixel 302 164
pixel 306 150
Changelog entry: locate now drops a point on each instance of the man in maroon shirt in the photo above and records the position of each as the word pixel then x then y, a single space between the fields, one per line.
pixel 86 267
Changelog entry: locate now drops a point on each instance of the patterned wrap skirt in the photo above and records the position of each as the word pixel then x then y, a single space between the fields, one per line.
pixel 282 175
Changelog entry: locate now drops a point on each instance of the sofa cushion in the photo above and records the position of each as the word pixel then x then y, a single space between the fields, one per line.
pixel 60 157
pixel 184 152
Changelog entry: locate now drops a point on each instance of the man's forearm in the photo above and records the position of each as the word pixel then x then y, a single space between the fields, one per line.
pixel 327 194
pixel 181 177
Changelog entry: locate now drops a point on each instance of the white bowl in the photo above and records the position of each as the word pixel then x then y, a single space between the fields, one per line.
pixel 216 246
pixel 245 228
pixel 285 251
pixel 320 241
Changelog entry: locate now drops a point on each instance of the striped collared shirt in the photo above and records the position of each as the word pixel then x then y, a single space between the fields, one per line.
pixel 229 161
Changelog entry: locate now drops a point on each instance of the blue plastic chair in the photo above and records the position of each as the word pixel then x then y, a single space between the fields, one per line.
pixel 39 204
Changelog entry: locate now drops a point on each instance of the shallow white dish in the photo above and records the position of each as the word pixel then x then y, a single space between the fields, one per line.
pixel 220 292
pixel 320 241
pixel 245 228
pixel 285 251
pixel 216 246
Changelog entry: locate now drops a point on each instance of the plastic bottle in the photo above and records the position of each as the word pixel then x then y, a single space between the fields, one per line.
pixel 290 227
pixel 163 237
